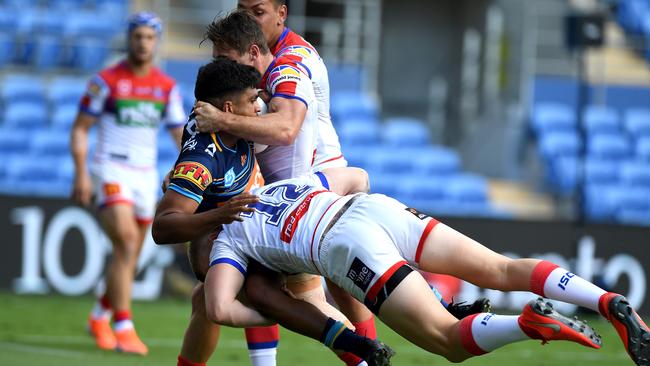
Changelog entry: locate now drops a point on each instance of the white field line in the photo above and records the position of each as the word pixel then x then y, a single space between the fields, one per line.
pixel 47 351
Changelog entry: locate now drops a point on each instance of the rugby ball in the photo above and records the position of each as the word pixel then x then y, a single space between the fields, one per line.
pixel 263 110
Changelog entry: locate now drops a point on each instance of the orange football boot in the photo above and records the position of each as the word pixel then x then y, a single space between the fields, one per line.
pixel 628 324
pixel 101 330
pixel 129 342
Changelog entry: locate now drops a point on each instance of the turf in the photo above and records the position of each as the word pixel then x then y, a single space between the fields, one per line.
pixel 50 330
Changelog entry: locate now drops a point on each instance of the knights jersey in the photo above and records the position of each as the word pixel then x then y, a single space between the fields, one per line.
pixel 284 230
pixel 286 78
pixel 130 110
pixel 292 46
pixel 210 172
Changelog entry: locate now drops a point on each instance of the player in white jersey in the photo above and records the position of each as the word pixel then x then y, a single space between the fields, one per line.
pixel 367 244
pixel 129 101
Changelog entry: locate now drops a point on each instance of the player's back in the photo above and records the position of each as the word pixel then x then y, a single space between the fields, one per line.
pixel 282 233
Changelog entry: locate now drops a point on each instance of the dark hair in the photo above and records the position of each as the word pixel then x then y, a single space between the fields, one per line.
pixel 279 2
pixel 238 30
pixel 222 78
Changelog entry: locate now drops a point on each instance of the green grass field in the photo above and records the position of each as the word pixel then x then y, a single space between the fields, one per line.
pixel 50 330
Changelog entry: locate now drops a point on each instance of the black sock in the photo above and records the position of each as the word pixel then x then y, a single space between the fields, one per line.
pixel 337 336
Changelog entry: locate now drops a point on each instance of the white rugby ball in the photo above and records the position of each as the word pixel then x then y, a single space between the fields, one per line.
pixel 263 110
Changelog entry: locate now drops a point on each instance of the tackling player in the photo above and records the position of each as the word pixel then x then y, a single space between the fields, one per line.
pixel 129 101
pixel 367 245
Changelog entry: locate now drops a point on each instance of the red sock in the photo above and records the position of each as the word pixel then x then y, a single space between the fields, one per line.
pixel 538 278
pixel 120 315
pixel 105 302
pixel 466 337
pixel 365 328
pixel 183 362
pixel 262 337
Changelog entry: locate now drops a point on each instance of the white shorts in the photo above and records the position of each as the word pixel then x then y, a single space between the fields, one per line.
pixel 122 184
pixel 374 238
pixel 328 149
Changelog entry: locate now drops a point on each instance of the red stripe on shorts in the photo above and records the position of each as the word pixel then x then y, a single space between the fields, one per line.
pixel 424 237
pixel 374 290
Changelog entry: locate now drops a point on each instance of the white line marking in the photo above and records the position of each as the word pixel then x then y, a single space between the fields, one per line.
pixel 24 348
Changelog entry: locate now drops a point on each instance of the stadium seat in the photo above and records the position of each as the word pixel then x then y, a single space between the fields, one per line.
pixel 387 160
pixel 599 171
pixel 167 149
pixel 345 105
pixel 8 21
pixel 22 88
pixel 563 173
pixel 63 91
pixel 345 77
pixel 466 187
pixel 549 117
pixel 637 122
pixel 362 131
pixel 14 141
pixel 386 183
pixel 86 24
pixel 610 147
pixel 433 160
pixel 630 216
pixel 601 119
pixel 25 116
pixel 635 173
pixel 48 52
pixel 553 144
pixel 30 169
pixel 399 131
pixel 7 49
pixel 633 197
pixel 600 202
pixel 643 148
pixel 48 142
pixel 63 117
pixel 89 54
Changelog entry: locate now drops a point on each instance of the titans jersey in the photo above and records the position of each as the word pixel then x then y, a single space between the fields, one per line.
pixel 209 172
pixel 283 233
pixel 285 78
pixel 130 110
pixel 328 149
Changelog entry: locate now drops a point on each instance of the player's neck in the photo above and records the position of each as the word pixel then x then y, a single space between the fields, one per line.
pixel 265 62
pixel 227 139
pixel 276 38
pixel 139 68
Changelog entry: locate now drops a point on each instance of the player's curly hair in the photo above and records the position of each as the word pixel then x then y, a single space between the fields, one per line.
pixel 238 31
pixel 222 78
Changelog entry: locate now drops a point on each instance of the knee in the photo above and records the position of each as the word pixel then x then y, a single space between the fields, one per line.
pixel 126 247
pixel 198 299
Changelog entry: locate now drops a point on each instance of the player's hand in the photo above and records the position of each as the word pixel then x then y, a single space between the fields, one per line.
pixel 208 117
pixel 230 210
pixel 82 190
pixel 165 182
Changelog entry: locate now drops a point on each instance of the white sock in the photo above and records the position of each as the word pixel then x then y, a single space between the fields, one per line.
pixel 122 325
pixel 99 312
pixel 490 331
pixel 362 363
pixel 262 357
pixel 568 287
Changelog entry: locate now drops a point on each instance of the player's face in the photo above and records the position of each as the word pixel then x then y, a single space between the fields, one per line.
pixel 270 16
pixel 245 104
pixel 244 59
pixel 142 44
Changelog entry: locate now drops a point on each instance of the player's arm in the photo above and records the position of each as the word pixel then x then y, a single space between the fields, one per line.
pixel 278 127
pixel 176 222
pixel 82 186
pixel 222 285
pixel 177 135
pixel 347 180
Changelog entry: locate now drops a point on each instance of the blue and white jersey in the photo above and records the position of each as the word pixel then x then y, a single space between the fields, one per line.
pixel 284 230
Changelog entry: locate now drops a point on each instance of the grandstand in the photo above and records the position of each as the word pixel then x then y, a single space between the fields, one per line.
pixel 474 111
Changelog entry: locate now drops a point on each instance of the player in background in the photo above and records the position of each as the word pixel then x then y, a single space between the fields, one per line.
pixel 129 101
pixel 214 167
pixel 368 244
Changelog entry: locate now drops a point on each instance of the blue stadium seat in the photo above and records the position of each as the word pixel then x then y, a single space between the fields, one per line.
pixel 601 119
pixel 8 21
pixel 345 105
pixel 89 54
pixel 63 91
pixel 611 147
pixel 553 117
pixel 362 131
pixel 22 88
pixel 637 122
pixel 387 160
pixel 635 173
pixel 29 169
pixel 7 49
pixel 399 131
pixel 345 77
pixel 14 141
pixel 562 174
pixel 49 142
pixel 48 52
pixel 643 148
pixel 599 171
pixel 630 216
pixel 167 149
pixel 433 160
pixel 51 22
pixel 600 202
pixel 633 197
pixel 25 115
pixel 554 144
pixel 466 187
pixel 386 183
pixel 82 24
pixel 63 117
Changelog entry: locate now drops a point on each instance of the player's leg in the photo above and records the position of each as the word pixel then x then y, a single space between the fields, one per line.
pixel 447 251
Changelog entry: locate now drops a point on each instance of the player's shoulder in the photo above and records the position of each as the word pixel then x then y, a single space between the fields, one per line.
pixel 111 74
pixel 288 67
pixel 161 77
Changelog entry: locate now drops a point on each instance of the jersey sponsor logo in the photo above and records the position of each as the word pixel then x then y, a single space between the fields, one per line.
pixel 211 149
pixel 158 93
pixel 111 189
pixel 291 223
pixel 124 87
pixel 360 274
pixel 229 178
pixel 244 157
pixel 136 113
pixel 417 213
pixel 283 73
pixel 190 144
pixel 193 172
pixel 301 51
pixel 564 280
pixel 94 88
